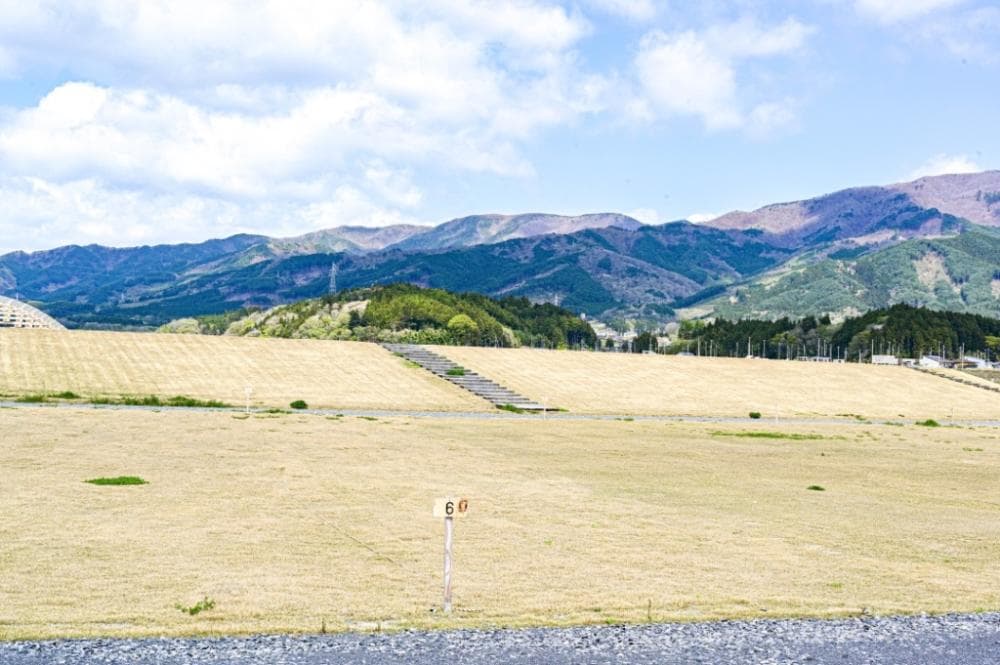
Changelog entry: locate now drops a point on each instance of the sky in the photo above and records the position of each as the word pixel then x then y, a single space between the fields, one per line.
pixel 127 123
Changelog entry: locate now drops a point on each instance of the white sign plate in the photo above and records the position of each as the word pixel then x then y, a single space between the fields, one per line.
pixel 451 507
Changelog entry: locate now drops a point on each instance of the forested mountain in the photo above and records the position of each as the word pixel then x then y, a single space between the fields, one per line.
pixel 841 254
pixel 489 229
pixel 590 271
pixel 928 206
pixel 959 273
pixel 405 313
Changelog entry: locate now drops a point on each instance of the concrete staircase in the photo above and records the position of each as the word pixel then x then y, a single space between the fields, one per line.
pixel 489 390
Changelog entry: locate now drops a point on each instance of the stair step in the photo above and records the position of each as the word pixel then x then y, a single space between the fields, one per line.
pixel 475 383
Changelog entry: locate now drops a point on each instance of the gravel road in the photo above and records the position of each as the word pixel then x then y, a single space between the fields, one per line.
pixel 498 415
pixel 951 640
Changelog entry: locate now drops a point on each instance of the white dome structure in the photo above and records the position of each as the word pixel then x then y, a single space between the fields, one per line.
pixel 16 314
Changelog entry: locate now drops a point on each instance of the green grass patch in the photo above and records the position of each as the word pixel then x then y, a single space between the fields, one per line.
pixel 181 400
pixel 299 404
pixel 510 407
pixel 456 371
pixel 371 418
pixel 816 488
pixel 202 605
pixel 154 400
pixel 36 398
pixel 773 435
pixel 117 480
pixel 930 422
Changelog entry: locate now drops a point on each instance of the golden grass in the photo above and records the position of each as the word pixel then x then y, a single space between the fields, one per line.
pixel 675 385
pixel 288 522
pixel 347 375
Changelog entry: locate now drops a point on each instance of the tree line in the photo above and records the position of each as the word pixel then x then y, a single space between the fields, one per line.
pixel 901 330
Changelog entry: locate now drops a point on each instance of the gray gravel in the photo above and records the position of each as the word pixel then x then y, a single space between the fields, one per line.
pixel 501 415
pixel 951 640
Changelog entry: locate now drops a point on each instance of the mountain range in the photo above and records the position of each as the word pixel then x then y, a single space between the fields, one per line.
pixel 932 242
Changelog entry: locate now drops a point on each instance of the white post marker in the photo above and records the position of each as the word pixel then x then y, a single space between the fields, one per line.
pixel 449 508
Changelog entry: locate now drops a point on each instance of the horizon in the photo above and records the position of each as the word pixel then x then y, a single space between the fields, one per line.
pixel 431 225
pixel 164 124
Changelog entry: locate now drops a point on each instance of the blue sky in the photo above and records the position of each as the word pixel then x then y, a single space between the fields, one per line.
pixel 135 123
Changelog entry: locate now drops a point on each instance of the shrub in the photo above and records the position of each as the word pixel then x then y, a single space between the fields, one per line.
pixel 181 400
pixel 153 400
pixel 299 404
pixel 133 400
pixel 816 488
pixel 205 603
pixel 117 480
pixel 755 414
pixel 464 329
pixel 930 422
pixel 33 399
pixel 456 371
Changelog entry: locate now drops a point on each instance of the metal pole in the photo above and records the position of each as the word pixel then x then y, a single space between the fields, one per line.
pixel 449 526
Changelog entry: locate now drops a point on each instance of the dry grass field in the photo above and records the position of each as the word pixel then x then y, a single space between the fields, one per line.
pixel 294 522
pixel 347 375
pixel 675 385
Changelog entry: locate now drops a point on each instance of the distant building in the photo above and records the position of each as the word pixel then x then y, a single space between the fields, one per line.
pixel 16 314
pixel 878 359
pixel 932 361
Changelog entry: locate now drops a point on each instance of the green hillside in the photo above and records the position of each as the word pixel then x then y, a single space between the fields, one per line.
pixel 960 273
pixel 404 313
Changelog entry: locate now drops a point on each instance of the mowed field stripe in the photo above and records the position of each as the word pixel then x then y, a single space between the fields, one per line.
pixel 585 382
pixel 324 374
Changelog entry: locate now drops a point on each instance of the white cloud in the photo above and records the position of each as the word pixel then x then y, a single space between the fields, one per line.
pixel 681 74
pixel 646 215
pixel 635 10
pixel 971 35
pixel 895 11
pixel 769 117
pixel 295 42
pixel 393 186
pixel 187 116
pixel 945 165
pixel 692 73
pixel 37 212
pixel 180 118
pixel 747 39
